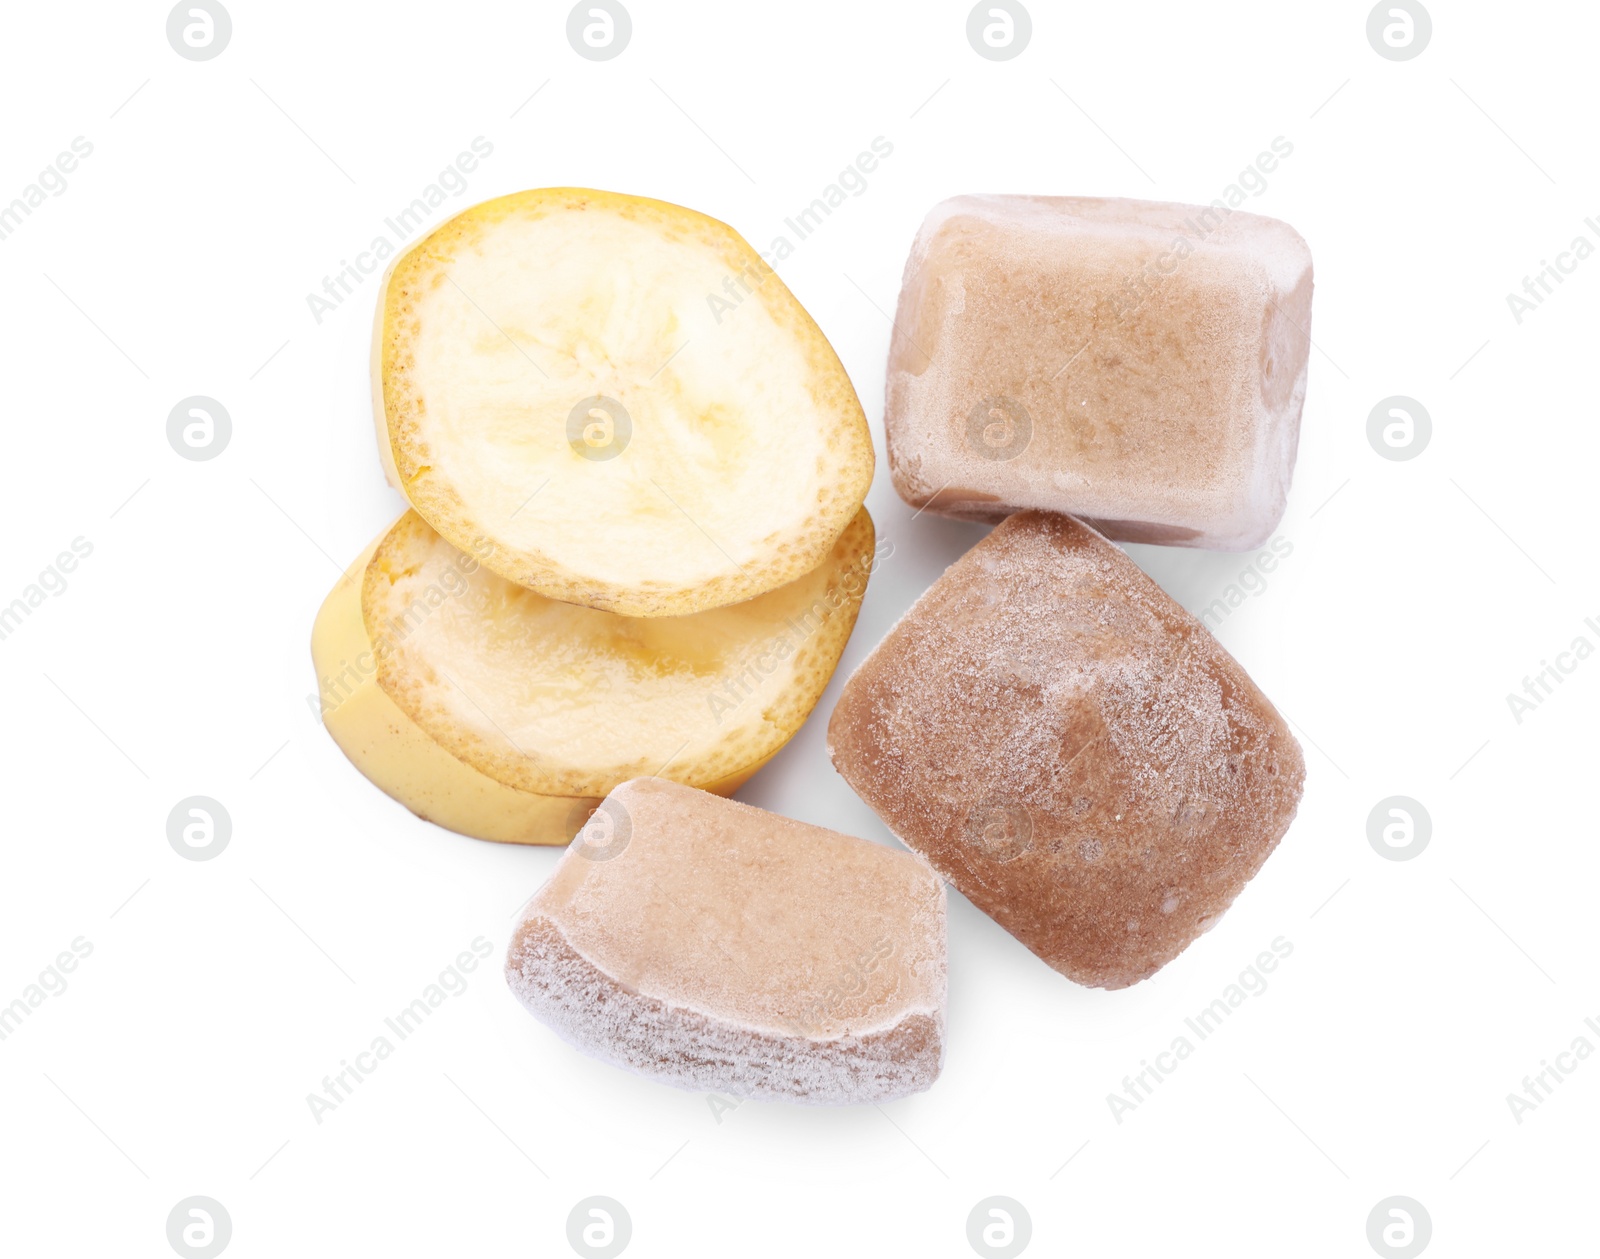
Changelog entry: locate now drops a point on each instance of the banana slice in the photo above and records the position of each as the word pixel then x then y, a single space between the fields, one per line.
pixel 496 712
pixel 622 396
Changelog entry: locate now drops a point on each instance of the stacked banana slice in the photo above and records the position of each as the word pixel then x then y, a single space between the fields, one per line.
pixel 636 544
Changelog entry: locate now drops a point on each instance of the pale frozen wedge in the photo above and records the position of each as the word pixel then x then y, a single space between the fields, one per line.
pixel 621 396
pixel 491 710
pixel 727 950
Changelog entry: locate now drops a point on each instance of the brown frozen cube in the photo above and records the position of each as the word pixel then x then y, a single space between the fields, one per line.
pixel 1138 364
pixel 1071 749
pixel 719 947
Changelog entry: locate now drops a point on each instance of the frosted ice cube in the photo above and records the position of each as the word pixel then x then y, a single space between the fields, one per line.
pixel 1071 749
pixel 1138 364
pixel 719 947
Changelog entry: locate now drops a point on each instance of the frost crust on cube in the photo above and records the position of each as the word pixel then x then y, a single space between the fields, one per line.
pixel 1141 365
pixel 719 947
pixel 1071 749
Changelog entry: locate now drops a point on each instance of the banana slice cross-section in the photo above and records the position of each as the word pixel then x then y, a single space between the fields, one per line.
pixel 494 711
pixel 622 397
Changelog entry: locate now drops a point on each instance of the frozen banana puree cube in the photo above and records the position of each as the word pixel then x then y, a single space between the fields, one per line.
pixel 715 946
pixel 1071 749
pixel 1138 364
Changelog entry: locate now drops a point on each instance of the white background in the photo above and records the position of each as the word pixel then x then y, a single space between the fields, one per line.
pixel 176 662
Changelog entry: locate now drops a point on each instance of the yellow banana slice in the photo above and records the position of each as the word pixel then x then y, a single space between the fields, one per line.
pixel 622 397
pixel 494 711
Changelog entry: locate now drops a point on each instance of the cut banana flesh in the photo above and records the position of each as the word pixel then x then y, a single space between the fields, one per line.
pixel 622 397
pixel 491 710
